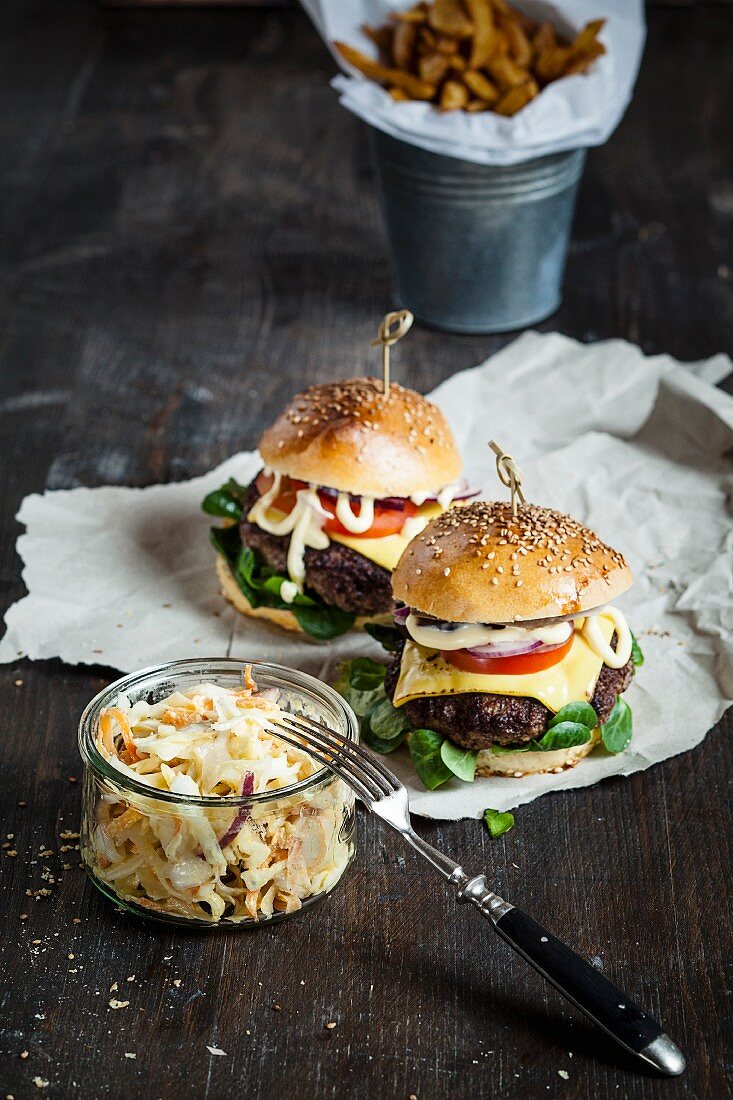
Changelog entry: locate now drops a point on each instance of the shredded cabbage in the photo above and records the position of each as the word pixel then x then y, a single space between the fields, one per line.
pixel 234 864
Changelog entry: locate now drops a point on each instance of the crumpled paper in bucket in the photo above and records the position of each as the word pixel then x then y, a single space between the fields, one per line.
pixel 572 113
pixel 637 448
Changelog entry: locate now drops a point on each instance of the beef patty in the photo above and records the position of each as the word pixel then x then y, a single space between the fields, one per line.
pixel 475 720
pixel 337 576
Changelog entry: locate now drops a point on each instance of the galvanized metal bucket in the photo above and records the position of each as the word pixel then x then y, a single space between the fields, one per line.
pixel 476 248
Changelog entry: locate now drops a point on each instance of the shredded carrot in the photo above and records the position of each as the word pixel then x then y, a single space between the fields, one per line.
pixel 106 720
pixel 245 701
pixel 251 901
pixel 146 903
pixel 249 683
pixel 180 717
pixel 118 825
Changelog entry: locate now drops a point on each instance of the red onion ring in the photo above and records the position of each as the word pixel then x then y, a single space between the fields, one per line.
pixel 397 504
pixel 509 649
pixel 513 649
pixel 248 786
pixel 490 649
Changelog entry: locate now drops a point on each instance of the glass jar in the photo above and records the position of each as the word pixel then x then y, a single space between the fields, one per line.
pixel 131 832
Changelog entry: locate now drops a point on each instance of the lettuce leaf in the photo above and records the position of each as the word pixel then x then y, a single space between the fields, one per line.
pixel 259 584
pixel 425 747
pixel 227 500
pixel 388 637
pixel 498 823
pixel 361 683
pixel 616 732
pixel 462 762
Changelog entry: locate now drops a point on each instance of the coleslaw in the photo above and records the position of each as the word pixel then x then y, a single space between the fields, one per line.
pixel 214 842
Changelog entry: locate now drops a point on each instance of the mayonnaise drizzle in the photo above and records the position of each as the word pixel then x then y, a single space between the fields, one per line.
pixel 469 635
pixel 614 658
pixel 304 523
pixel 414 525
pixel 288 591
pixel 357 525
pixel 444 497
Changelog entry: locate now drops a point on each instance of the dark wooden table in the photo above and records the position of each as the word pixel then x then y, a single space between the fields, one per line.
pixel 189 231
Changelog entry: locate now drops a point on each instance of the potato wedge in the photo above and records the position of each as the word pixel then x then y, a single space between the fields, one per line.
pixel 383 74
pixel 484 41
pixel 382 39
pixel 458 63
pixel 481 87
pixel 544 38
pixel 403 43
pixel 507 73
pixel 448 17
pixel 517 97
pixel 519 45
pixel 446 44
pixel 586 39
pixel 551 64
pixel 418 14
pixel 426 40
pixel 433 67
pixel 580 65
pixel 453 96
pixel 502 43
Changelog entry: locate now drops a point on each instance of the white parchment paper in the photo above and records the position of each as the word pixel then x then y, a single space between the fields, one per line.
pixel 572 113
pixel 638 448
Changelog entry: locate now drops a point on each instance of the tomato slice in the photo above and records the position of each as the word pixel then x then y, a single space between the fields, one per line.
pixel 387 521
pixel 513 666
pixel 285 500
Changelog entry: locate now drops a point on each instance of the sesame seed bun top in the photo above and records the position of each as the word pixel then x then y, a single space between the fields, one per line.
pixel 352 437
pixel 478 563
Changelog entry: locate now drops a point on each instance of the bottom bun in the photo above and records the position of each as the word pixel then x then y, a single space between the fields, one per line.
pixel 231 591
pixel 518 764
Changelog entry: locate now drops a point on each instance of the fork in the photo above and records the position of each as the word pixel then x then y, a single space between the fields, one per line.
pixel 383 794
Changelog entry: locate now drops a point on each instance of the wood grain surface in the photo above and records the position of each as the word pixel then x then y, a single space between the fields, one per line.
pixel 189 231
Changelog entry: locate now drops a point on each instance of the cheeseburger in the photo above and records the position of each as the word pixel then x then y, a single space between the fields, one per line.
pixel 511 647
pixel 350 474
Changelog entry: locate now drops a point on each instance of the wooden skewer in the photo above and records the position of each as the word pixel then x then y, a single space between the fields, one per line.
pixel 508 473
pixel 394 326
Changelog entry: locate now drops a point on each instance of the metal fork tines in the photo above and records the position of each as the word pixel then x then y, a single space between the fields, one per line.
pixel 383 794
pixel 379 789
pixel 370 779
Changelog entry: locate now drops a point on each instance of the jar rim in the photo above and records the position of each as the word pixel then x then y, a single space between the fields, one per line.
pixel 276 675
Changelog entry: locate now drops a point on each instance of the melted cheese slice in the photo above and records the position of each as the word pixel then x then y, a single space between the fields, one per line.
pixel 424 672
pixel 385 551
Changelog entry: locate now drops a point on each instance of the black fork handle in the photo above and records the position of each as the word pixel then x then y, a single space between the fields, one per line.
pixel 602 1001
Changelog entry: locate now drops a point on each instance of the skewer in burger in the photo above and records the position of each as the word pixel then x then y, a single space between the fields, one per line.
pixel 351 472
pixel 511 649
